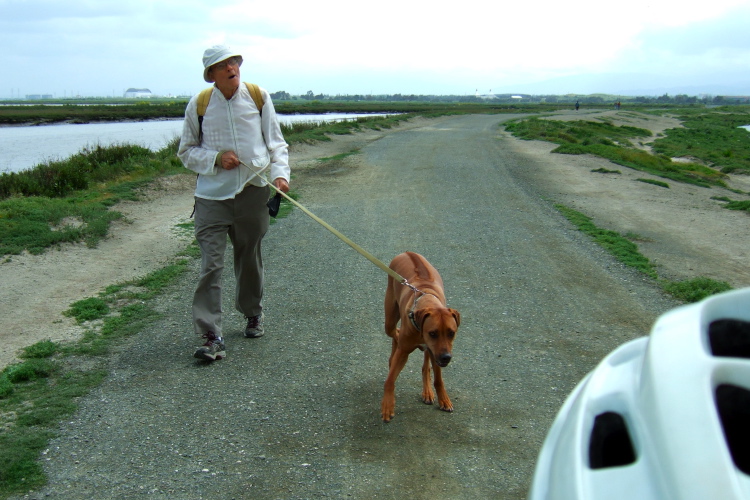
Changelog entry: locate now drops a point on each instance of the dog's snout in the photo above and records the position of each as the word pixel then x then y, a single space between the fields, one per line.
pixel 444 359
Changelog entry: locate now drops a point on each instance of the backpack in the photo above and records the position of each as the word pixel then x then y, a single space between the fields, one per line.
pixel 205 96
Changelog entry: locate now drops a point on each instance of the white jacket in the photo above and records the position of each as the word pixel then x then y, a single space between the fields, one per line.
pixel 233 125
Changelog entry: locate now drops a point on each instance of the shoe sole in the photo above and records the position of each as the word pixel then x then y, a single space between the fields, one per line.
pixel 253 335
pixel 209 357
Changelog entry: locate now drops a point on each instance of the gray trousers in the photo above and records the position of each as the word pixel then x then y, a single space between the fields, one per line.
pixel 245 220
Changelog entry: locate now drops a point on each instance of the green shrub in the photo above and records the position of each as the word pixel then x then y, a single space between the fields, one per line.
pixel 42 349
pixel 654 182
pixel 695 290
pixel 738 205
pixel 6 386
pixel 88 309
pixel 28 370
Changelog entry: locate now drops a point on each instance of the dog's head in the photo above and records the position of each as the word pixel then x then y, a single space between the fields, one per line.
pixel 438 327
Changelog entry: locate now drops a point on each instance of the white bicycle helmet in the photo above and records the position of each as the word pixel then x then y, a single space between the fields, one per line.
pixel 662 417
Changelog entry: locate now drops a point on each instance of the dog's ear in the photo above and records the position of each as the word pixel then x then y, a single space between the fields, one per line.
pixel 457 316
pixel 420 315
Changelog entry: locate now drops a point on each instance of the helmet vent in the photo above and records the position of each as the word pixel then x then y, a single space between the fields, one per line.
pixel 730 338
pixel 733 404
pixel 610 444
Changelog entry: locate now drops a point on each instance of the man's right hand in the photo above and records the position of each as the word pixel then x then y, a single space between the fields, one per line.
pixel 229 160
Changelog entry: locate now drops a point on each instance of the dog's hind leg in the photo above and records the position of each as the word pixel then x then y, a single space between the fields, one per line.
pixel 428 396
pixel 388 405
pixel 392 314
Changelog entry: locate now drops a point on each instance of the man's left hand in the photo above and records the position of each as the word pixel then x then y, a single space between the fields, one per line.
pixel 281 184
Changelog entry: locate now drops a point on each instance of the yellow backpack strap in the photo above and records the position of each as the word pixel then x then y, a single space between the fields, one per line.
pixel 203 99
pixel 256 95
pixel 205 96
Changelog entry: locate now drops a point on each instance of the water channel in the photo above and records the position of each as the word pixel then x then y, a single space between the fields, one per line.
pixel 24 147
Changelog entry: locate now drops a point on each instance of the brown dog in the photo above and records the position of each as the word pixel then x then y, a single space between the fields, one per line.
pixel 426 324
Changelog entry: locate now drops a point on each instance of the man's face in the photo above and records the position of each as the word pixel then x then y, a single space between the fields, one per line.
pixel 226 74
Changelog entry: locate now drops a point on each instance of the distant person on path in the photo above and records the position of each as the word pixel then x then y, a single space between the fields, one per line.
pixel 577 105
pixel 234 140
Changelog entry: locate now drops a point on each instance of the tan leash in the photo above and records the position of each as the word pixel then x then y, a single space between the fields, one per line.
pixel 343 238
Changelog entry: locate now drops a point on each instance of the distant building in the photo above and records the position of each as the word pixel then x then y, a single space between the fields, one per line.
pixel 36 97
pixel 137 93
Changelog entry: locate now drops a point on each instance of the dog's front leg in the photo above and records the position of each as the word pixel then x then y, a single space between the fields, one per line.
pixel 442 395
pixel 397 363
pixel 428 396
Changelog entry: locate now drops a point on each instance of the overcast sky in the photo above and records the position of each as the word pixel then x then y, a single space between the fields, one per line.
pixel 103 47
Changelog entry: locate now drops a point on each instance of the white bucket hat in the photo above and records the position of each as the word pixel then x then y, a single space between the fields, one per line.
pixel 214 55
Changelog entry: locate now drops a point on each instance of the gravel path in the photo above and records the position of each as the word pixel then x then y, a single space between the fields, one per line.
pixel 296 414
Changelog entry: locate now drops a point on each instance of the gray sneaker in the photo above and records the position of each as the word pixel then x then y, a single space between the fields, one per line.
pixel 213 349
pixel 254 328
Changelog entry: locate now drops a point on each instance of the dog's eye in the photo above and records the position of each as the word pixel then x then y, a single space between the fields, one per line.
pixel 451 335
pixel 433 334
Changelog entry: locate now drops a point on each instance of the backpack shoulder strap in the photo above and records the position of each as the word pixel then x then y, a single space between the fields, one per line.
pixel 203 98
pixel 256 95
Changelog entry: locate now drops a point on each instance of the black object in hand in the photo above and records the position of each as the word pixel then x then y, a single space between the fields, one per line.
pixel 274 204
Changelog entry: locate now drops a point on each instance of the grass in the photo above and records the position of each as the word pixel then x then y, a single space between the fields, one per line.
pixel 732 204
pixel 36 394
pixel 70 201
pixel 603 170
pixel 713 137
pixel 654 182
pixel 613 143
pixel 88 309
pixel 696 289
pixel 624 250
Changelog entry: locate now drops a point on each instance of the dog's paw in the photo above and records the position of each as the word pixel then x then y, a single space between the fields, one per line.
pixel 388 410
pixel 428 397
pixel 446 405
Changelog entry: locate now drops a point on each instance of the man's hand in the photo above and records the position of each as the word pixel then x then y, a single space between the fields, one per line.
pixel 229 160
pixel 281 184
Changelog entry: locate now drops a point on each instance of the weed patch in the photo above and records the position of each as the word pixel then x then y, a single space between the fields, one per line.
pixel 627 252
pixel 88 309
pixel 654 182
pixel 713 137
pixel 738 205
pixel 43 349
pixel 613 143
pixel 732 204
pixel 623 249
pixel 696 289
pixel 603 170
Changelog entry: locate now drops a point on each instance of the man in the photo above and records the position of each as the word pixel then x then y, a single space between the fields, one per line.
pixel 234 140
